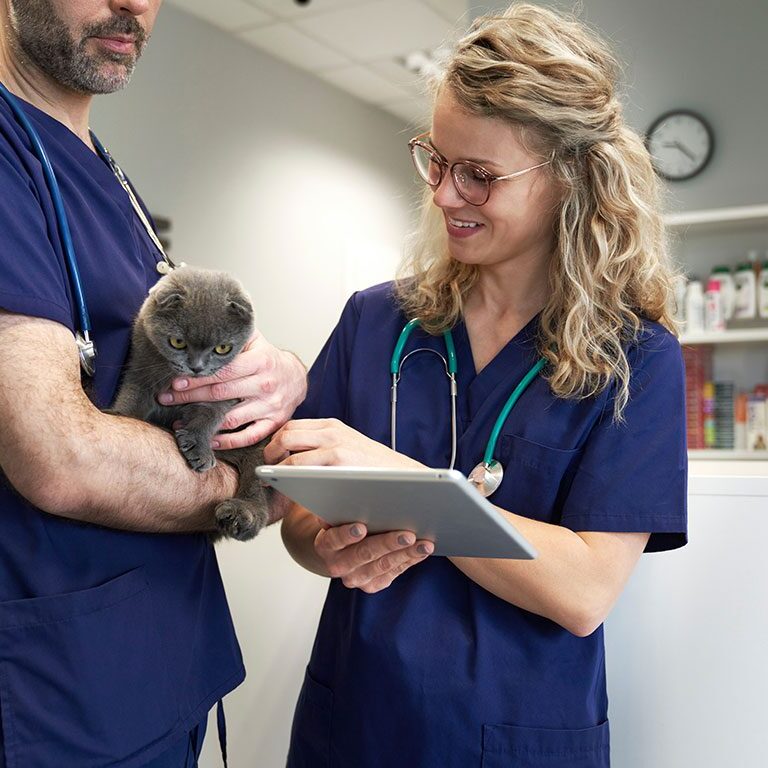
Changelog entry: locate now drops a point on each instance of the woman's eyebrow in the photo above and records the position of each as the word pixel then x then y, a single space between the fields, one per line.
pixel 478 161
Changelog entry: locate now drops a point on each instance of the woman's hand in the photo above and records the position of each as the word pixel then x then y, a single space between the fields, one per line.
pixel 370 563
pixel 269 382
pixel 330 442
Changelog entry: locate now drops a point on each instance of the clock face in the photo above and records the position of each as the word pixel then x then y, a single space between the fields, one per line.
pixel 680 144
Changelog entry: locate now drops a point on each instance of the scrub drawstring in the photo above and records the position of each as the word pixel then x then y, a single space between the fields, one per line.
pixel 222 725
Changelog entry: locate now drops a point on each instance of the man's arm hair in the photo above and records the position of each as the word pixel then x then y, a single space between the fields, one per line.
pixel 68 458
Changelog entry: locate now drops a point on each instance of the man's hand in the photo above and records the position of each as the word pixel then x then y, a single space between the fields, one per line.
pixel 269 382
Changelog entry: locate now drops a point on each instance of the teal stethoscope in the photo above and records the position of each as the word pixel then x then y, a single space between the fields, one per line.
pixel 85 346
pixel 489 473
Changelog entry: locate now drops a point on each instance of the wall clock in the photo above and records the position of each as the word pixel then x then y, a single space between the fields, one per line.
pixel 681 143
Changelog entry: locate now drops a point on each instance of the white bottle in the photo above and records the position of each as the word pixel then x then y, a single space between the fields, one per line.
pixel 714 314
pixel 745 290
pixel 680 287
pixel 694 307
pixel 762 292
pixel 723 275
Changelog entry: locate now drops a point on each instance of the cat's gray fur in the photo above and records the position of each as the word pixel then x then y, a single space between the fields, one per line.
pixel 205 309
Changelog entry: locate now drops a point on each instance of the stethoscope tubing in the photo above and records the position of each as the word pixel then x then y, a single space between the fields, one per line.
pixel 451 369
pixel 62 222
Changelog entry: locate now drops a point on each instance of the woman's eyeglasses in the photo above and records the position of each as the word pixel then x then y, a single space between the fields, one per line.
pixel 472 181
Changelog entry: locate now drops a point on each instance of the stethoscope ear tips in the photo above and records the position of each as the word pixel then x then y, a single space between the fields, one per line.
pixel 487 477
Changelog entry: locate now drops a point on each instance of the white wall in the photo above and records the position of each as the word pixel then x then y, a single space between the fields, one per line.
pixel 303 193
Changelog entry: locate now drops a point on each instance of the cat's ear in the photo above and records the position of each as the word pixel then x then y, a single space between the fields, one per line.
pixel 170 300
pixel 240 308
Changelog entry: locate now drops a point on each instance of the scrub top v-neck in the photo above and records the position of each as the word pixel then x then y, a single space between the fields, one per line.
pixel 112 644
pixel 436 671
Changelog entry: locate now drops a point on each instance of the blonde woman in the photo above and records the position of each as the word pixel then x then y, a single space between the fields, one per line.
pixel 541 240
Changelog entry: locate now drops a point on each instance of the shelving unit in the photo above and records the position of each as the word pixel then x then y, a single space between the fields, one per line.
pixel 730 336
pixel 721 454
pixel 719 218
pixel 723 235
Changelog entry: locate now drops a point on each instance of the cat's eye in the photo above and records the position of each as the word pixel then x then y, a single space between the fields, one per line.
pixel 177 343
pixel 222 349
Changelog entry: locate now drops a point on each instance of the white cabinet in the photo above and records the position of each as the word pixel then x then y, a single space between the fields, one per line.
pixel 687 644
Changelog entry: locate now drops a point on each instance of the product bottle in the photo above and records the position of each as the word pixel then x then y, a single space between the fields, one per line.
pixel 740 423
pixel 680 288
pixel 708 406
pixel 714 316
pixel 762 292
pixel 694 307
pixel 723 275
pixel 745 291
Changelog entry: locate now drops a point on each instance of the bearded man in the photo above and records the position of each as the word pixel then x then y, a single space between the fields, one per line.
pixel 115 634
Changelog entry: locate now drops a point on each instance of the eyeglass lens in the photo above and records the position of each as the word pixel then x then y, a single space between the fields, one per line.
pixel 470 183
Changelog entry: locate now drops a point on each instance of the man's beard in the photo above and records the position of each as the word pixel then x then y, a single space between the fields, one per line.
pixel 45 39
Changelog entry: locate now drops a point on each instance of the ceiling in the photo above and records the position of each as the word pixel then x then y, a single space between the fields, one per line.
pixel 356 45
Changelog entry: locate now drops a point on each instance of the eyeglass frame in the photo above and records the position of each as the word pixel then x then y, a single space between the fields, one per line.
pixel 490 178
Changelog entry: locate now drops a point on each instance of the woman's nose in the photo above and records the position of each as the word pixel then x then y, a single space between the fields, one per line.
pixel 446 194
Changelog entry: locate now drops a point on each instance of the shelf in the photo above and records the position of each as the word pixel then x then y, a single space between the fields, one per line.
pixel 723 454
pixel 718 218
pixel 730 336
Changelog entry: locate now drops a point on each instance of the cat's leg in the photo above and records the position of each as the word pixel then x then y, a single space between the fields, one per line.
pixel 201 422
pixel 243 516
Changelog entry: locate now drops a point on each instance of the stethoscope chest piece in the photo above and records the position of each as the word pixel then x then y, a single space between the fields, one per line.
pixel 487 477
pixel 163 267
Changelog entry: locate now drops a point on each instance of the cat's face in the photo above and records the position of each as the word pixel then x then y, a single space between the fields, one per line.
pixel 198 320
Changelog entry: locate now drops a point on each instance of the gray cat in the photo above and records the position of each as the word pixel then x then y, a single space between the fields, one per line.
pixel 194 322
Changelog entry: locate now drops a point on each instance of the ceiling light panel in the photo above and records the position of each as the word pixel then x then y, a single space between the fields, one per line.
pixel 290 9
pixel 378 30
pixel 286 42
pixel 226 14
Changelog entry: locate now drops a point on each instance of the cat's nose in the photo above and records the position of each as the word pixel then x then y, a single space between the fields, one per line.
pixel 197 368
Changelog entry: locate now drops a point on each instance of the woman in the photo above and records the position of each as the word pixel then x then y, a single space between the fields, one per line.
pixel 423 661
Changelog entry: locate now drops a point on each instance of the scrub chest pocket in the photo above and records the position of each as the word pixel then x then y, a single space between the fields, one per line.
pixel 537 477
pixel 82 678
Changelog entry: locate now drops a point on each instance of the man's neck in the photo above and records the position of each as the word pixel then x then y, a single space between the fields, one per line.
pixel 29 82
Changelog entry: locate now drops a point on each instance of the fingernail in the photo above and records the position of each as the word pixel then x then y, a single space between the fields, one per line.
pixel 403 540
pixel 181 383
pixel 356 532
pixel 424 549
pixel 215 444
pixel 165 398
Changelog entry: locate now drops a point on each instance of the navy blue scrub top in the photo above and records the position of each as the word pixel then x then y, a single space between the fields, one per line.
pixel 112 644
pixel 435 670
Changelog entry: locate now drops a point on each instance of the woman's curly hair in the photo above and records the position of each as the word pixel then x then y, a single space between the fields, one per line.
pixel 554 78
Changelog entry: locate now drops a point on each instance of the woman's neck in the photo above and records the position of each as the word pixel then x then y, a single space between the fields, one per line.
pixel 510 292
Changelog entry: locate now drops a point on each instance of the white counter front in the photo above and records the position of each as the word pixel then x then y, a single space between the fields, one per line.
pixel 687 645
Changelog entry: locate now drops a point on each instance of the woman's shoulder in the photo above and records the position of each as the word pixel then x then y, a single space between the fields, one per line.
pixel 655 349
pixel 376 299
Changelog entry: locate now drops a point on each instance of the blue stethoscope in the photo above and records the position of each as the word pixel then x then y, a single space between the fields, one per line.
pixel 489 473
pixel 85 346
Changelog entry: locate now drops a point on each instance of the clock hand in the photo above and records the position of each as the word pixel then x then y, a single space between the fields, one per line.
pixel 687 152
pixel 682 148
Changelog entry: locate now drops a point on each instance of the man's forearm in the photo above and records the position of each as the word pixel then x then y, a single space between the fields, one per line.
pixel 123 473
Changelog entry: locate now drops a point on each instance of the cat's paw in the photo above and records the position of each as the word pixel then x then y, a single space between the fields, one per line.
pixel 240 519
pixel 199 457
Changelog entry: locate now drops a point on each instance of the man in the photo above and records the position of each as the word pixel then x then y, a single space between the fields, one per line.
pixel 115 635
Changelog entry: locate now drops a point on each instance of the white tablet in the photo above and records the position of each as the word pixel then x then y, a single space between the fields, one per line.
pixel 436 504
